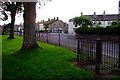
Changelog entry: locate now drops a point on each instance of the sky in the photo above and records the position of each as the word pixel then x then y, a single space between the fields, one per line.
pixel 67 9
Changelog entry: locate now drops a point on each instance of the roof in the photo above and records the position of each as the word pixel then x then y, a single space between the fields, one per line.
pixel 50 21
pixel 106 17
pixel 7 25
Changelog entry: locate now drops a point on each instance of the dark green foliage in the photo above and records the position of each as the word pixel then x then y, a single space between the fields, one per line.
pixel 114 23
pixel 15 7
pixel 82 21
pixel 113 29
pixel 5 16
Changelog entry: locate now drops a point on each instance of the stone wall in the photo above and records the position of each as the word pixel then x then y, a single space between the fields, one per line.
pixel 111 37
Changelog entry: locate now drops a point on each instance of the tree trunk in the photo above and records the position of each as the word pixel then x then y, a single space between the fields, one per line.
pixel 11 35
pixel 29 40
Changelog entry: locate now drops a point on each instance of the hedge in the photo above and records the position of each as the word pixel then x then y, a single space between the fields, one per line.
pixel 113 29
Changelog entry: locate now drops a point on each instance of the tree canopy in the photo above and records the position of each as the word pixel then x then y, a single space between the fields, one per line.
pixel 13 8
pixel 82 21
pixel 9 7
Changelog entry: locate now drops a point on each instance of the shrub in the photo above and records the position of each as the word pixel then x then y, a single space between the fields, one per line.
pixel 113 29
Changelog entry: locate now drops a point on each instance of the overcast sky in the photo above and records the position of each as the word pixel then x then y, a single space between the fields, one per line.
pixel 67 9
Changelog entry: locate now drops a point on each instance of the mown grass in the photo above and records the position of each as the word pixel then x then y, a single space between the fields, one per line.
pixel 47 62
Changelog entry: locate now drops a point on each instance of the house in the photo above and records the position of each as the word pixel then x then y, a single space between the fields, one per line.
pixel 53 26
pixel 6 28
pixel 102 20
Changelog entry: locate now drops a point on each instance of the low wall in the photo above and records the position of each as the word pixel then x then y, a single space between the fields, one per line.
pixel 110 37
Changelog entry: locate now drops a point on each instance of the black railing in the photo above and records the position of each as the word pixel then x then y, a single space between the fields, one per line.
pixel 98 55
pixel 51 38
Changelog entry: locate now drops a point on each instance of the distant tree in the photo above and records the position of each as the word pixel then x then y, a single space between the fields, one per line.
pixel 13 8
pixel 82 21
pixel 3 16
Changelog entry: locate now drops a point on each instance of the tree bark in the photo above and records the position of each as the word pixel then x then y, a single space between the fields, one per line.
pixel 29 40
pixel 11 35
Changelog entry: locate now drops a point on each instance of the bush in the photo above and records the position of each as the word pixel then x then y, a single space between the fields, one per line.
pixel 81 29
pixel 113 29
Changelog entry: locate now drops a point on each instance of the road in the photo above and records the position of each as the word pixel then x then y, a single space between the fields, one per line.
pixel 66 40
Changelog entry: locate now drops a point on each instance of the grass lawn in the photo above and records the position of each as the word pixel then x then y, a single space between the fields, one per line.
pixel 49 62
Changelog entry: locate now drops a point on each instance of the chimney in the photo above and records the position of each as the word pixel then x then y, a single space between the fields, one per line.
pixel 81 13
pixel 94 13
pixel 104 17
pixel 104 12
pixel 119 7
pixel 48 19
pixel 57 18
pixel 54 18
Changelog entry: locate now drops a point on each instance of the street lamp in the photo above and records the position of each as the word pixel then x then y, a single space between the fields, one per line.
pixel 59 37
pixel 47 35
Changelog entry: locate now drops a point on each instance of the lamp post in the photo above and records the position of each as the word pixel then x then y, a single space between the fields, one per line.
pixel 59 37
pixel 47 35
pixel 38 32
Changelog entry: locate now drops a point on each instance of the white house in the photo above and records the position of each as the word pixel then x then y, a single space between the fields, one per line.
pixel 103 20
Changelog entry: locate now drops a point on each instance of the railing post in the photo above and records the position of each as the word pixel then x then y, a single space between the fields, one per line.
pixel 47 37
pixel 119 56
pixel 78 51
pixel 17 31
pixel 98 56
pixel 39 35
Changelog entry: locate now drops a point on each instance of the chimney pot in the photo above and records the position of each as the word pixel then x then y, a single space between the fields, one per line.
pixel 104 12
pixel 81 13
pixel 54 18
pixel 94 13
pixel 57 18
pixel 48 19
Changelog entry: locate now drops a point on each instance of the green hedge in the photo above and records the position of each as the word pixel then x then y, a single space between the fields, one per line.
pixel 113 29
